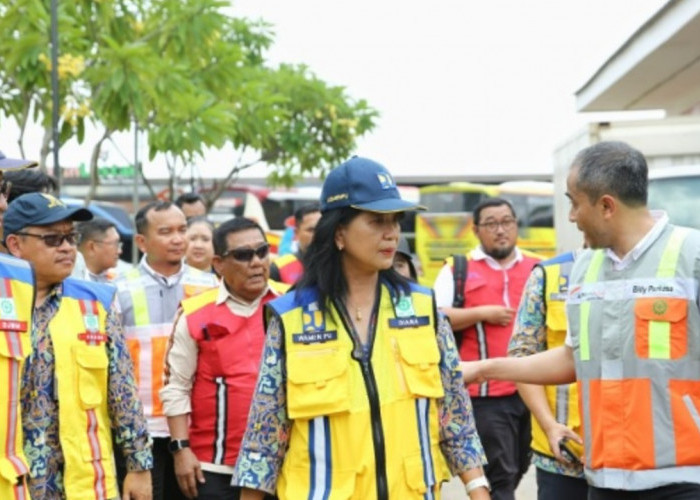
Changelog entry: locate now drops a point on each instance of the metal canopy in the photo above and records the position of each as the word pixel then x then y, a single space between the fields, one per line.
pixel 657 68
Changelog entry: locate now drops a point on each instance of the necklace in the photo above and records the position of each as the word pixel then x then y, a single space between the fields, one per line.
pixel 358 314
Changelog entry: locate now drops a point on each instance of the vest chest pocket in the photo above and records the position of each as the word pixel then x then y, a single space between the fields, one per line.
pixel 318 382
pixel 419 358
pixel 556 315
pixel 91 375
pixel 661 328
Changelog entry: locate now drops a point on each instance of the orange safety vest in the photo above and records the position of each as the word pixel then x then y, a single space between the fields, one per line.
pixel 636 340
pixel 148 310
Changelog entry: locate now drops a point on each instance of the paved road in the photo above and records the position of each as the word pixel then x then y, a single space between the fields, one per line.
pixel 454 490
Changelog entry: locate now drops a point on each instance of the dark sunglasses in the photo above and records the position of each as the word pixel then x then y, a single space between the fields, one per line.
pixel 54 239
pixel 247 254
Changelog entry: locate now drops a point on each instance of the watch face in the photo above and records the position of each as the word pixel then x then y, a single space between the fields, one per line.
pixel 177 445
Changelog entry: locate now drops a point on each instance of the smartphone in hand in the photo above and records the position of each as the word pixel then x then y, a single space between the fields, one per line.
pixel 568 453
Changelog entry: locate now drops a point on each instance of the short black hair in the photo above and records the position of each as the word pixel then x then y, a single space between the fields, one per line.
pixel 188 198
pixel 305 210
pixel 488 203
pixel 141 220
pixel 29 180
pixel 612 167
pixel 93 228
pixel 233 226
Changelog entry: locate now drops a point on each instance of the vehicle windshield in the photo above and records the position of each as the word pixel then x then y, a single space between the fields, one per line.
pixel 678 196
pixel 451 201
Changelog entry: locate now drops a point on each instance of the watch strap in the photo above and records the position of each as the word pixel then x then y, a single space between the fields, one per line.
pixel 178 444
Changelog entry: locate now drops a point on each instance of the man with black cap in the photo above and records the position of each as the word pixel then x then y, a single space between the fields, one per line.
pixel 16 299
pixel 79 358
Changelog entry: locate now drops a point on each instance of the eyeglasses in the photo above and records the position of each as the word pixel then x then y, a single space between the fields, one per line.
pixel 247 254
pixel 5 188
pixel 492 225
pixel 116 244
pixel 55 240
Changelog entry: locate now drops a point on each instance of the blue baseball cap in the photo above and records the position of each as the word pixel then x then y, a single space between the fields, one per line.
pixel 13 164
pixel 39 209
pixel 365 185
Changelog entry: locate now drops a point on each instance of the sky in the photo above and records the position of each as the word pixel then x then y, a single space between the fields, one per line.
pixel 462 87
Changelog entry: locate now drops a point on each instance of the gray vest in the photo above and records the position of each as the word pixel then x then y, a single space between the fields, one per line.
pixel 636 340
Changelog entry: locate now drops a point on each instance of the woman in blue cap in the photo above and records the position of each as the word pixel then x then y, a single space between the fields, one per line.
pixel 359 394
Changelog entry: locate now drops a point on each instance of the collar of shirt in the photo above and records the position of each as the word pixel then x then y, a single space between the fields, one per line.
pixel 660 222
pixel 168 281
pixel 238 305
pixel 479 254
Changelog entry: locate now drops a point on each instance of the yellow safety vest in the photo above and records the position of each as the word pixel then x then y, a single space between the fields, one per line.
pixel 562 399
pixel 78 334
pixel 16 305
pixel 360 428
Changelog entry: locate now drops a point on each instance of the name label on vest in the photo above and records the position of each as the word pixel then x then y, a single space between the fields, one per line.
pixel 9 325
pixel 411 322
pixel 93 337
pixel 314 337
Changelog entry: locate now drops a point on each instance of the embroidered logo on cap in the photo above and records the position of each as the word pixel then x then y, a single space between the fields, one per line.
pixel 53 202
pixel 386 181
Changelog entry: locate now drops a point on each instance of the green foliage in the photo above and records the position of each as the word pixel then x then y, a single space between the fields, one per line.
pixel 191 76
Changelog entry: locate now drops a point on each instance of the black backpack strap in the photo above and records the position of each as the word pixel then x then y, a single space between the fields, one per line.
pixel 459 272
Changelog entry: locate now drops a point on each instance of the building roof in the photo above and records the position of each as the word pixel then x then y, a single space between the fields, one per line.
pixel 658 67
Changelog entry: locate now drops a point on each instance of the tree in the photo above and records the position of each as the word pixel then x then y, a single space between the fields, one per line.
pixel 189 75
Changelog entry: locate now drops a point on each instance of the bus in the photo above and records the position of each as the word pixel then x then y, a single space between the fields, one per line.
pixel 447 226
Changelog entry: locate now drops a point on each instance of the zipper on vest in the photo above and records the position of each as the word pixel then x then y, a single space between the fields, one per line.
pixel 364 358
pixel 377 431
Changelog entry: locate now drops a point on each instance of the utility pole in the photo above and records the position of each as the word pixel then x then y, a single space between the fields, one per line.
pixel 54 94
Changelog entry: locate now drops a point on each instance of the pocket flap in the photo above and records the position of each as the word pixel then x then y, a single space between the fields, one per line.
pixel 419 348
pixel 21 345
pixel 315 366
pixel 413 468
pixel 661 309
pixel 91 357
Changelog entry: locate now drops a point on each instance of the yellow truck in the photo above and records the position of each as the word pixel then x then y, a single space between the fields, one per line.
pixel 446 228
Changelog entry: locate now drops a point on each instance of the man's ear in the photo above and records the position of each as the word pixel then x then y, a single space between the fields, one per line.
pixel 13 245
pixel 217 263
pixel 140 241
pixel 608 204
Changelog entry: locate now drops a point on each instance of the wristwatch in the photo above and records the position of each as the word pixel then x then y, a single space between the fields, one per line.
pixel 478 482
pixel 176 445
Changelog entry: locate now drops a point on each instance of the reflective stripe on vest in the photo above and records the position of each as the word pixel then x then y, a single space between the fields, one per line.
pixel 148 323
pixel 16 303
pixel 78 334
pixel 562 399
pixel 333 446
pixel 639 379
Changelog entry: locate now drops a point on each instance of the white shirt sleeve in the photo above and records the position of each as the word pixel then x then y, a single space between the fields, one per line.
pixel 182 362
pixel 444 287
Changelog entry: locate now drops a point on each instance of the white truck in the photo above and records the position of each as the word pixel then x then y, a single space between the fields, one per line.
pixel 668 144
